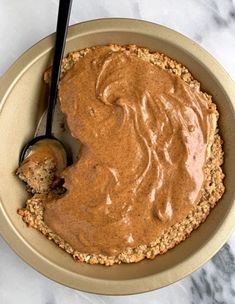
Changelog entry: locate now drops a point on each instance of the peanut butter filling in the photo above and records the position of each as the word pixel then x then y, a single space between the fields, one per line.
pixel 144 135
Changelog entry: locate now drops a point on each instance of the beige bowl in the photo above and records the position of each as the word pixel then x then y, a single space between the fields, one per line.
pixel 22 96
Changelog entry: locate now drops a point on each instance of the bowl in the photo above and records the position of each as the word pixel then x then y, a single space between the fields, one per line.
pixel 22 103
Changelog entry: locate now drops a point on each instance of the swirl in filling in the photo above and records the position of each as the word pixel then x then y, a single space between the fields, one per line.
pixel 144 135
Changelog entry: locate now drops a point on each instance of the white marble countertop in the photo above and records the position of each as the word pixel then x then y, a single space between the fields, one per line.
pixel 209 22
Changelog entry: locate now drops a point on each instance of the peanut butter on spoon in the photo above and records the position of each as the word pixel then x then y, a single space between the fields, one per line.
pixel 42 166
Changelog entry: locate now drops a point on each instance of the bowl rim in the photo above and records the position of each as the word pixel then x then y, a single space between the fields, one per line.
pixel 80 282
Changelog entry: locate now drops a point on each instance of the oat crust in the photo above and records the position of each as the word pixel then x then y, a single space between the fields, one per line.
pixel 212 191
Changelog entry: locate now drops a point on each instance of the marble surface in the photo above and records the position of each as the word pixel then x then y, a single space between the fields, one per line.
pixel 212 24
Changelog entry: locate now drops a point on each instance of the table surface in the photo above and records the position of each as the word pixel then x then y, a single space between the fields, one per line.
pixel 211 23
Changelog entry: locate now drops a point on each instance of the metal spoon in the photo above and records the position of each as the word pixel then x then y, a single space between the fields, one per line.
pixel 48 138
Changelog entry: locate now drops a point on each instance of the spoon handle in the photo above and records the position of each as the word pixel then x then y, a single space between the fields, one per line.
pixel 61 33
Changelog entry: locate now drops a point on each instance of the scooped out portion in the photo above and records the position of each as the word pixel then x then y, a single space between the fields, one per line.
pixel 148 171
pixel 42 166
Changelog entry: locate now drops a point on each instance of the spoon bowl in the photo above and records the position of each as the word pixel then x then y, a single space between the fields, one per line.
pixel 31 145
pixel 57 146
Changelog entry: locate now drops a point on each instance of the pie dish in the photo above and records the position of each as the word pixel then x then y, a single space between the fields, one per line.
pixel 180 157
pixel 21 83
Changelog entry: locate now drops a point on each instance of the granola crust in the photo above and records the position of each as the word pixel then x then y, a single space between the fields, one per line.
pixel 212 191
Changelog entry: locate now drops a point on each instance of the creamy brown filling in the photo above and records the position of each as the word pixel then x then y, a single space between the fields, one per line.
pixel 144 135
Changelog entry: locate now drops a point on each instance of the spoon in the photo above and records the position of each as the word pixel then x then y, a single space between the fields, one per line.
pixel 48 139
